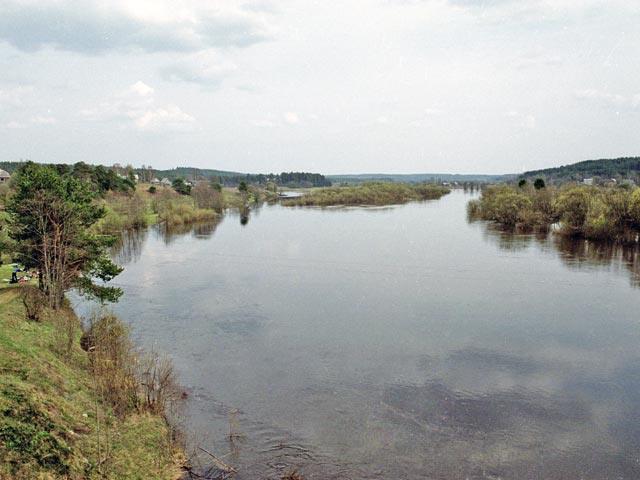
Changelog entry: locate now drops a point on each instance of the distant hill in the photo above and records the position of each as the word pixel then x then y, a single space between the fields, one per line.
pixel 414 177
pixel 618 168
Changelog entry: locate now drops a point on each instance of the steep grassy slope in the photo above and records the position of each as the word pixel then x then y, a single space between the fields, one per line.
pixel 52 423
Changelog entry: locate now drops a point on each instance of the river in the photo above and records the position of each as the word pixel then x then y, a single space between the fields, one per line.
pixel 399 343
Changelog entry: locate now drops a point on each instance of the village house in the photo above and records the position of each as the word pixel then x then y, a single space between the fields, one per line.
pixel 4 176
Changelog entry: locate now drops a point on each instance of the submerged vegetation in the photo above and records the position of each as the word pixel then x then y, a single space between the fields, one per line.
pixel 597 213
pixel 376 193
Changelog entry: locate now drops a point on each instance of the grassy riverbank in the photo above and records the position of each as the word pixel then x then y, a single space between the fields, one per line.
pixel 597 213
pixel 379 193
pixel 53 423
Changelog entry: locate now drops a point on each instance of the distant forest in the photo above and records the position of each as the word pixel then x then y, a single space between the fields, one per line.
pixel 284 179
pixel 618 168
pixel 226 178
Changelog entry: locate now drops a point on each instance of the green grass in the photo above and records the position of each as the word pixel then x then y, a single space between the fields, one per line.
pixel 378 193
pixel 49 412
pixel 5 274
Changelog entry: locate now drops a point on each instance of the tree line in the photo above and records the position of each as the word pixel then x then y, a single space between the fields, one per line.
pixel 232 179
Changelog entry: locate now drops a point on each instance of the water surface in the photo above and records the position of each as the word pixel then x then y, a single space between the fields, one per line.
pixel 397 342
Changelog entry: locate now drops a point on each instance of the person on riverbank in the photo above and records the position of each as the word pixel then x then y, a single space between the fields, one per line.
pixel 14 274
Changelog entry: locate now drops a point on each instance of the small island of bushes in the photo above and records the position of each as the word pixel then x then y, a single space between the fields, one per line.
pixel 375 193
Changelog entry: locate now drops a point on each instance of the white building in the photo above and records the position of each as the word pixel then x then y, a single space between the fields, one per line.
pixel 4 176
pixel 588 181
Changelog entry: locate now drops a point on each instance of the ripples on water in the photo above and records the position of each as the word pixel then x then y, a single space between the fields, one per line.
pixel 396 343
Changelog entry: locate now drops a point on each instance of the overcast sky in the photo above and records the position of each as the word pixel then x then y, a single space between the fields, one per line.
pixel 463 86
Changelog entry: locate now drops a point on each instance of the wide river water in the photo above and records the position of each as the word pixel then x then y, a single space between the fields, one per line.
pixel 395 343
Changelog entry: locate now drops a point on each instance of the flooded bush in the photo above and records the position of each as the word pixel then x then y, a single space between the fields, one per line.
pixel 205 196
pixel 572 207
pixel 123 212
pixel 599 213
pixel 510 208
pixel 634 207
pixel 158 387
pixel 125 378
pixel 175 210
pixel 474 209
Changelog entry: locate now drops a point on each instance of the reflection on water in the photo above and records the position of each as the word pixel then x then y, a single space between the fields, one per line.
pixel 244 215
pixel 128 246
pixel 395 343
pixel 199 230
pixel 575 253
pixel 584 253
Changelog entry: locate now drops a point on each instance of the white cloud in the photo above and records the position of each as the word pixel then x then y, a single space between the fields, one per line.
pixel 153 26
pixel 204 68
pixel 15 125
pixel 291 118
pixel 136 107
pixel 170 117
pixel 14 96
pixel 43 120
pixel 540 12
pixel 433 112
pixel 535 59
pixel 524 120
pixel 141 89
pixel 264 123
pixel 37 120
pixel 604 97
